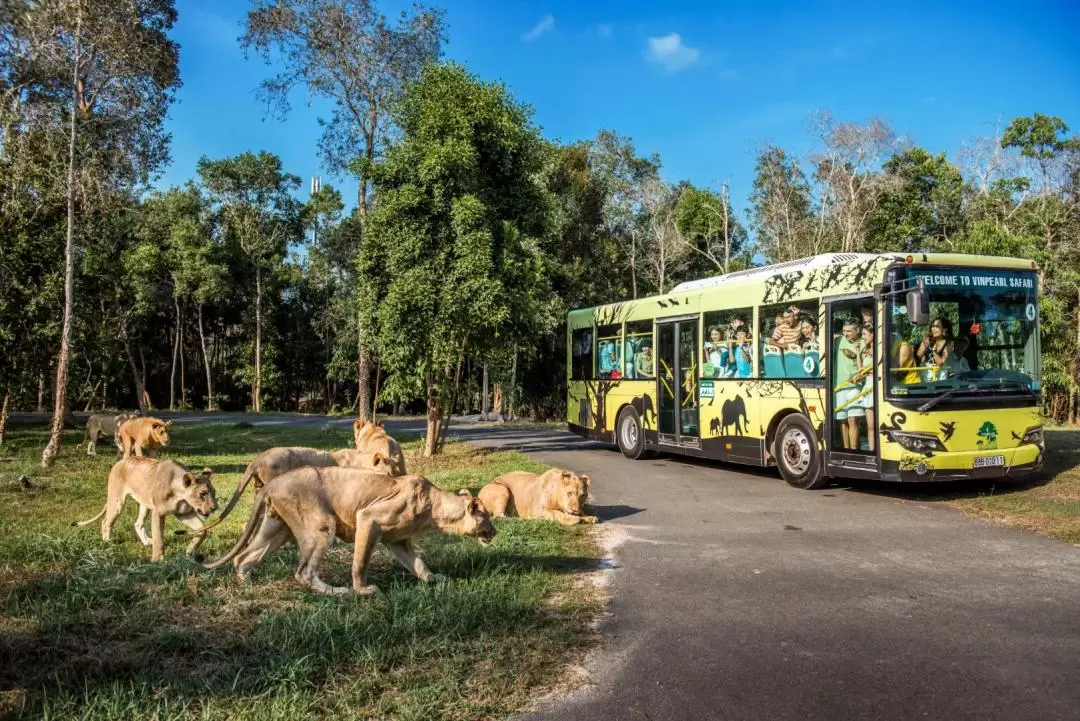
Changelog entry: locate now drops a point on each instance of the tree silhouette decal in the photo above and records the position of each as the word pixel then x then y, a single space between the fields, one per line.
pixel 989 431
pixel 597 389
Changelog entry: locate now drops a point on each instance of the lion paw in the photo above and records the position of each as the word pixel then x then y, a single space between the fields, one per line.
pixel 436 578
pixel 590 519
pixel 369 590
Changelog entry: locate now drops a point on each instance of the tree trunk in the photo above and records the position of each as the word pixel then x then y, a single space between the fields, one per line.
pixel 183 389
pixel 513 386
pixel 175 350
pixel 4 415
pixel 142 365
pixel 60 399
pixel 256 386
pixel 453 401
pixel 363 371
pixel 210 405
pixel 434 417
pixel 484 405
pixel 140 387
pixel 41 393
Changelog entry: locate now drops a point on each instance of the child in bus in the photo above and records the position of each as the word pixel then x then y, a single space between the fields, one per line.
pixel 866 369
pixel 742 358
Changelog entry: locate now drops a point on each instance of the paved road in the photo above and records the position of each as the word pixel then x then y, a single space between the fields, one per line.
pixel 736 597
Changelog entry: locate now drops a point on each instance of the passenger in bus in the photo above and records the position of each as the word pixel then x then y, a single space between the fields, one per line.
pixel 742 356
pixel 787 329
pixel 609 359
pixel 847 385
pixel 808 336
pixel 644 362
pixel 903 357
pixel 957 363
pixel 867 314
pixel 716 354
pixel 866 369
pixel 935 349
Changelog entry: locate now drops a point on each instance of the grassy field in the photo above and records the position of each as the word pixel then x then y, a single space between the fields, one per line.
pixel 1049 504
pixel 91 630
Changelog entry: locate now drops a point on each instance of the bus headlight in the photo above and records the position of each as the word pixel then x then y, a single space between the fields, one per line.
pixel 918 442
pixel 1032 436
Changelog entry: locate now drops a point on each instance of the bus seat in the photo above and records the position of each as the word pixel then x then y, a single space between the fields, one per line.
pixel 793 363
pixel 772 361
pixel 812 362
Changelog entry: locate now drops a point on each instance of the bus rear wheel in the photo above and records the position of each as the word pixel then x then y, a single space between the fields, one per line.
pixel 797 453
pixel 629 435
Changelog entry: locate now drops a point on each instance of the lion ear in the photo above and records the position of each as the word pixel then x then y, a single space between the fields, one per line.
pixel 167 423
pixel 207 472
pixel 586 479
pixel 465 493
pixel 475 506
pixel 188 480
pixel 378 458
pixel 566 474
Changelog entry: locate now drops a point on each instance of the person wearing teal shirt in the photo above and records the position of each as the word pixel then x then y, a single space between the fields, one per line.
pixel 846 385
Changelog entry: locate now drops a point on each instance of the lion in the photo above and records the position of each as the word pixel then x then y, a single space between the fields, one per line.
pixel 556 495
pixel 105 424
pixel 275 461
pixel 162 488
pixel 315 506
pixel 372 437
pixel 143 434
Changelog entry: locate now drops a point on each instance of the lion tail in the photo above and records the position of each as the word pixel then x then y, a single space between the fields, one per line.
pixel 248 475
pixel 249 530
pixel 88 521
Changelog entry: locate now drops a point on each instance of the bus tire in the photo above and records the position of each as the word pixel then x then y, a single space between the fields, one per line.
pixel 797 453
pixel 629 435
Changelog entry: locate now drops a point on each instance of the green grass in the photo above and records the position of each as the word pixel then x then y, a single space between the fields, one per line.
pixel 90 630
pixel 1048 504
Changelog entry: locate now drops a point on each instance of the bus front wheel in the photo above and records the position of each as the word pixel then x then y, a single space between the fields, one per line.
pixel 629 435
pixel 797 453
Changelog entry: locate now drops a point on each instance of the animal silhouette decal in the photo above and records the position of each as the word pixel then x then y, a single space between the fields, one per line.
pixel 733 412
pixel 714 426
pixel 644 407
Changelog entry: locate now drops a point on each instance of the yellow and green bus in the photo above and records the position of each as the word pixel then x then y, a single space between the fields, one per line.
pixel 917 367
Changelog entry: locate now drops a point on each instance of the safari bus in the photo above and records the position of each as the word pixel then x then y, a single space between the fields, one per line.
pixel 917 367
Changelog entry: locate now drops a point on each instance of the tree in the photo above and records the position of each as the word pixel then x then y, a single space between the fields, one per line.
pixel 708 225
pixel 253 195
pixel 780 212
pixel 922 209
pixel 109 70
pixel 459 215
pixel 662 248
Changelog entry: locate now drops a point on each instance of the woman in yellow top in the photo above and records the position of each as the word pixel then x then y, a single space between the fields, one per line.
pixel 905 358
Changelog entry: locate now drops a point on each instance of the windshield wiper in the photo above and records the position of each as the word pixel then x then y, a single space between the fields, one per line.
pixel 1013 384
pixel 937 399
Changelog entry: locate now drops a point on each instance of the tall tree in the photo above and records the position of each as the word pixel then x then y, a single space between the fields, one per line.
pixel 710 228
pixel 253 194
pixel 109 70
pixel 781 212
pixel 459 211
pixel 922 210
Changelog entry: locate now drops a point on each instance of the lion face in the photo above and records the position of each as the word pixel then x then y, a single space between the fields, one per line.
pixel 476 522
pixel 199 492
pixel 159 433
pixel 573 493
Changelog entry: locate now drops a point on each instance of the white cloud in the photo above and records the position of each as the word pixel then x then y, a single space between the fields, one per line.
pixel 604 31
pixel 546 24
pixel 669 51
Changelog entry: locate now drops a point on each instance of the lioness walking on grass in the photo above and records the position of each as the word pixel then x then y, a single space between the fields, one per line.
pixel 372 437
pixel 162 488
pixel 314 506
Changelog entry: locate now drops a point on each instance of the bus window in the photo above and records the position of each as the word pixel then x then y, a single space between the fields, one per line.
pixel 729 344
pixel 581 354
pixel 789 340
pixel 640 362
pixel 609 351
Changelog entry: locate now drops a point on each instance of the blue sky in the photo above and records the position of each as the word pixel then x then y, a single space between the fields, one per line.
pixel 704 84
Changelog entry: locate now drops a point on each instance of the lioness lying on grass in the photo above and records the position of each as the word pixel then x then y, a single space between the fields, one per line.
pixel 162 488
pixel 372 437
pixel 275 461
pixel 316 505
pixel 556 495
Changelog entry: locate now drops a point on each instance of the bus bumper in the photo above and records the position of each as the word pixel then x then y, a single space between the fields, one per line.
pixel 1019 462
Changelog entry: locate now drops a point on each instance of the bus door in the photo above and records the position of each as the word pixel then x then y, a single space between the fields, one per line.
pixel 850 430
pixel 677 370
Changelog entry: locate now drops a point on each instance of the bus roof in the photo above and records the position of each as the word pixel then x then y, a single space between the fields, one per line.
pixel 757 276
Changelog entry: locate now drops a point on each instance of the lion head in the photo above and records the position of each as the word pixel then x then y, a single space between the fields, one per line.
pixel 198 491
pixel 476 522
pixel 159 432
pixel 572 492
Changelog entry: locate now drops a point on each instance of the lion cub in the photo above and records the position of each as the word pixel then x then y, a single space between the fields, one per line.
pixel 316 505
pixel 556 495
pixel 143 434
pixel 372 437
pixel 162 488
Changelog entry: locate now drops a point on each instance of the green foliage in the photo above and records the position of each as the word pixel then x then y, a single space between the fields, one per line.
pixel 922 208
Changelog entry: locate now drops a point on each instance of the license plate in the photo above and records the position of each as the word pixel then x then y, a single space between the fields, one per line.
pixel 989 461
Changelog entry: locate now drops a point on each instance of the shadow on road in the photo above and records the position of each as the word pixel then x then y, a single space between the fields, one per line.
pixel 610 513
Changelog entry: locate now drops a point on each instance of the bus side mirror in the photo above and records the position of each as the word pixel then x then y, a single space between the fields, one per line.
pixel 918 304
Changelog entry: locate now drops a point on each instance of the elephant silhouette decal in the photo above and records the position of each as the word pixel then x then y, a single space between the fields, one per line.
pixel 733 412
pixel 714 426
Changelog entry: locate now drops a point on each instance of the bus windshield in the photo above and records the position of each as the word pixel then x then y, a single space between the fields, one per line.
pixel 981 337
